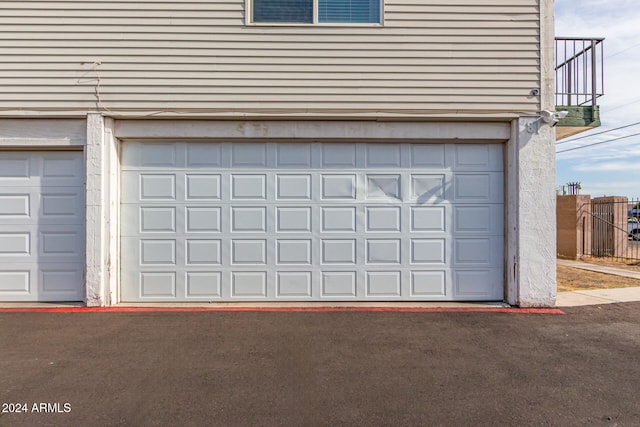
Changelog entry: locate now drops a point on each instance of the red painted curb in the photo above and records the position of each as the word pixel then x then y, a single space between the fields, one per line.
pixel 514 310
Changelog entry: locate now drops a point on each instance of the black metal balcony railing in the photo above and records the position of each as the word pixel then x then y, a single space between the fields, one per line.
pixel 579 70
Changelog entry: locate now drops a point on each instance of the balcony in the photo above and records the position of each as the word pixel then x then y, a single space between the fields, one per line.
pixel 579 83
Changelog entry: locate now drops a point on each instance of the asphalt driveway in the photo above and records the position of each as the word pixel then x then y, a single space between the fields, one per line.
pixel 293 369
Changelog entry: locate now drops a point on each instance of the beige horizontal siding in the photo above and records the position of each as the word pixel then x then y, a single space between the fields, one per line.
pixel 430 55
pixel 460 86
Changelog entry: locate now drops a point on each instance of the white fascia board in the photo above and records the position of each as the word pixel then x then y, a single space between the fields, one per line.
pixel 313 130
pixel 42 133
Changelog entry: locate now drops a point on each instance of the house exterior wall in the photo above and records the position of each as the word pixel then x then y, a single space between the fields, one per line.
pixel 453 71
pixel 199 56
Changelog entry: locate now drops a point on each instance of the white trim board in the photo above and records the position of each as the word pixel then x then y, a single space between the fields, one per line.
pixel 43 133
pixel 313 130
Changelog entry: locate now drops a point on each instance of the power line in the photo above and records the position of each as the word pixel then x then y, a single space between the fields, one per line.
pixel 597 143
pixel 621 51
pixel 599 133
pixel 623 105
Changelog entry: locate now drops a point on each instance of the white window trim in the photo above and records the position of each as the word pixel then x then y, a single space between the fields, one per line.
pixel 248 7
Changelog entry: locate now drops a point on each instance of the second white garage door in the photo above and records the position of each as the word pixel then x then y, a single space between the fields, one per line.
pixel 41 226
pixel 303 221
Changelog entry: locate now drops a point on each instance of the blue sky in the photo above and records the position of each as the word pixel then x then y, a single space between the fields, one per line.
pixel 613 168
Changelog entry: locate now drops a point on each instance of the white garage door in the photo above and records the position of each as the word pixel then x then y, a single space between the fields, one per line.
pixel 302 221
pixel 41 226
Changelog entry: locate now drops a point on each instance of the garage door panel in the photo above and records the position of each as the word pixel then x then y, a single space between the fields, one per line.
pixel 338 284
pixel 150 155
pixel 14 244
pixel 17 205
pixel 338 156
pixel 157 187
pixel 383 284
pixel 428 156
pixel 338 187
pixel 156 219
pixel 430 251
pixel 158 285
pixel 61 169
pixel 45 281
pixel 203 252
pixel 294 156
pixel 478 284
pixel 249 219
pixel 477 188
pixel 382 156
pixel 311 222
pixel 294 251
pixel 293 219
pixel 430 284
pixel 200 219
pixel 477 251
pixel 50 205
pixel 294 284
pixel 14 167
pixel 383 187
pixel 162 219
pixel 477 157
pixel 150 187
pixel 203 156
pixel 249 284
pixel 203 284
pixel 428 188
pixel 61 204
pixel 290 187
pixel 478 220
pixel 41 226
pixel 15 282
pixel 41 169
pixel 249 156
pixel 158 155
pixel 60 282
pixel 41 243
pixel 157 252
pixel 336 219
pixel 60 242
pixel 202 187
pixel 383 219
pixel 429 219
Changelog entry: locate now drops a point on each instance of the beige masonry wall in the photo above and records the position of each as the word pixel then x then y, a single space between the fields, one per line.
pixel 574 222
pixel 199 56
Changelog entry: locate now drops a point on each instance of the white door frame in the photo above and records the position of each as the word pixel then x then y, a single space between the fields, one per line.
pixel 529 181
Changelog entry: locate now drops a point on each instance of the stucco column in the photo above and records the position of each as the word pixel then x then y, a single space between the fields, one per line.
pixel 531 214
pixel 94 187
pixel 102 206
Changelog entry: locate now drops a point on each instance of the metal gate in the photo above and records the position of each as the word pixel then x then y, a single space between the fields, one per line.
pixel 615 229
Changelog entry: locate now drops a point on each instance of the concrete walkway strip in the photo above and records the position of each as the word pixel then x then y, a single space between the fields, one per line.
pixel 600 268
pixel 387 309
pixel 598 296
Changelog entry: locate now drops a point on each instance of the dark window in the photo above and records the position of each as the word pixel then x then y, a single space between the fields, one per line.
pixel 283 11
pixel 329 11
pixel 363 11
